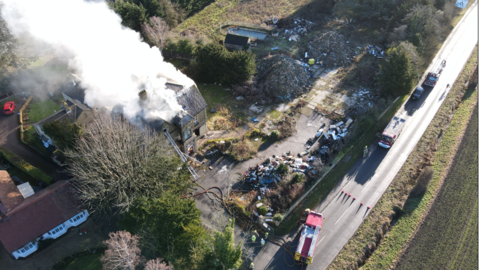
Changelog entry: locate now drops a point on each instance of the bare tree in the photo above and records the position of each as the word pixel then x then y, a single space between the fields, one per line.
pixel 157 31
pixel 157 264
pixel 115 162
pixel 122 252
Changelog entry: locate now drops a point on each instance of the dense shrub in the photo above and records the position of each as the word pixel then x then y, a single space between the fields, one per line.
pixel 263 210
pixel 297 178
pixel 274 135
pixel 278 217
pixel 282 168
pixel 217 65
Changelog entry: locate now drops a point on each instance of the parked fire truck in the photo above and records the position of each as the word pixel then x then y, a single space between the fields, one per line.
pixel 391 132
pixel 309 237
pixel 432 77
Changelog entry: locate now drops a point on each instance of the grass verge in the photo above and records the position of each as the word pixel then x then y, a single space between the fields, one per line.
pixel 322 190
pixel 39 110
pixel 371 231
pixel 24 166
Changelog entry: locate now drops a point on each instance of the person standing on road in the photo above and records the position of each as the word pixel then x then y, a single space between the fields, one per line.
pixel 365 151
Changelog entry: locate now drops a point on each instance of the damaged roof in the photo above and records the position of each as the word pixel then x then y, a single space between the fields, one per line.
pixel 38 214
pixel 190 98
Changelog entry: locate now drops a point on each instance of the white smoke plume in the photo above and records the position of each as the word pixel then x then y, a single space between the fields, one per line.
pixel 106 54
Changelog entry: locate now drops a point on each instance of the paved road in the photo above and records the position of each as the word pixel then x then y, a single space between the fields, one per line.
pixel 370 178
pixel 10 139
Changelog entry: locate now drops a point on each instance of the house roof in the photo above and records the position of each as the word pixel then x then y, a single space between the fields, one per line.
pixel 74 91
pixel 182 120
pixel 38 214
pixel 236 40
pixel 189 98
pixel 10 196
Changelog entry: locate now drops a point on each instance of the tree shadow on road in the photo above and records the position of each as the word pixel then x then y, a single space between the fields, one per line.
pixel 364 170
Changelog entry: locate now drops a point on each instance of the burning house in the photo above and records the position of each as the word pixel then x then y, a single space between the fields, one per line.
pixel 186 125
pixel 189 124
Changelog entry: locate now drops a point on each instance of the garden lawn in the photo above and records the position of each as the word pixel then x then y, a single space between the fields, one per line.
pixel 39 110
pixel 89 262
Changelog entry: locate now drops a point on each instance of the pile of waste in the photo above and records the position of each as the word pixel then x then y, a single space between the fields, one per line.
pixel 331 49
pixel 376 51
pixel 292 29
pixel 266 175
pixel 282 78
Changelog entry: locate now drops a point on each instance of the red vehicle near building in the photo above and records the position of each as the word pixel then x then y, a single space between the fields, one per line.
pixel 9 107
pixel 432 77
pixel 309 237
pixel 391 132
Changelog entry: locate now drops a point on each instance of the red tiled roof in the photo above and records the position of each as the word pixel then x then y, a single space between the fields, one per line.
pixel 38 214
pixel 10 197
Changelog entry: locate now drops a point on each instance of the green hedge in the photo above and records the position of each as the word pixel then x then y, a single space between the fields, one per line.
pixel 24 166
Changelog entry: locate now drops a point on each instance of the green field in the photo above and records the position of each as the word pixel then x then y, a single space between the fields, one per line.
pixel 448 238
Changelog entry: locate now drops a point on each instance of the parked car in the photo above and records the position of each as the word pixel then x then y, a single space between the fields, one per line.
pixel 417 93
pixel 9 107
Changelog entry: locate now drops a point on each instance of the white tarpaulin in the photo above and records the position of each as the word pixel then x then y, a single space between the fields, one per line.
pixel 461 3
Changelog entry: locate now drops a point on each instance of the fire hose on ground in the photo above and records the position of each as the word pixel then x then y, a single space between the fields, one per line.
pixel 273 239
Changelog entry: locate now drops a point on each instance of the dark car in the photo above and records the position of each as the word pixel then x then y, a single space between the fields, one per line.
pixel 417 93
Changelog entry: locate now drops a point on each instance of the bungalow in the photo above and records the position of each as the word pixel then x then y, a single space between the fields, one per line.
pixel 27 217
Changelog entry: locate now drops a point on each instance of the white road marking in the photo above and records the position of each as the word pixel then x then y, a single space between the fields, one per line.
pixel 341 216
pixel 320 241
pixel 368 182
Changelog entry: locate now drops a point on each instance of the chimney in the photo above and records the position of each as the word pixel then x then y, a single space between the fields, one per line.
pixel 143 95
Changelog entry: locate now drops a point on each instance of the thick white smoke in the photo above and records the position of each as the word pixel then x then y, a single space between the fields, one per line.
pixel 106 54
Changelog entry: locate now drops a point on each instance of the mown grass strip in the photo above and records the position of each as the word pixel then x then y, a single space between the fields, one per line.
pixel 405 227
pixel 365 238
pixel 322 190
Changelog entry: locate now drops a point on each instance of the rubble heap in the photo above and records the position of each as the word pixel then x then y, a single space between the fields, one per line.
pixel 282 78
pixel 294 30
pixel 331 49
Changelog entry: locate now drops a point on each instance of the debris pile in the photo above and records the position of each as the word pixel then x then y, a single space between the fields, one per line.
pixel 294 30
pixel 375 51
pixel 266 175
pixel 282 78
pixel 331 49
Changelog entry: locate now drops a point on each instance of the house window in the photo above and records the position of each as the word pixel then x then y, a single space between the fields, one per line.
pixel 195 120
pixel 188 134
